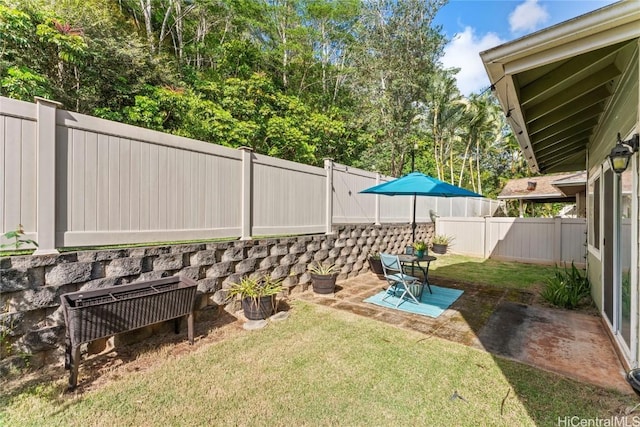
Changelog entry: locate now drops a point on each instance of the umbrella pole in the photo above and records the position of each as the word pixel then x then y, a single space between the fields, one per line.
pixel 413 223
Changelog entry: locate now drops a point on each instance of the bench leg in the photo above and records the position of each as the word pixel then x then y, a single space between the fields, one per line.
pixel 73 367
pixel 190 327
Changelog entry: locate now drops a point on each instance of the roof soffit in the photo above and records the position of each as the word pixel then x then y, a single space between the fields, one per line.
pixel 554 85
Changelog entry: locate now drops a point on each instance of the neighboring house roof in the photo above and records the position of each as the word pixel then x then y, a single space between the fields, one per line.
pixel 572 184
pixel 545 189
pixel 554 85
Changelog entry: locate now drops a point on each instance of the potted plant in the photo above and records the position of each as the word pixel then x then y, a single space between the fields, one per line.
pixel 419 248
pixel 323 277
pixel 376 265
pixel 257 296
pixel 440 243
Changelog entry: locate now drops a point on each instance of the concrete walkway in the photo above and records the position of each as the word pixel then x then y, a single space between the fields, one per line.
pixel 505 322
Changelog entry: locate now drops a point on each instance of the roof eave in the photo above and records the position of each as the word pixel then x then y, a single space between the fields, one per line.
pixel 606 26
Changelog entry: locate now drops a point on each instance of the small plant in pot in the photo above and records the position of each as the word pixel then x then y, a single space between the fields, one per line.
pixel 257 296
pixel 440 243
pixel 419 248
pixel 323 277
pixel 376 265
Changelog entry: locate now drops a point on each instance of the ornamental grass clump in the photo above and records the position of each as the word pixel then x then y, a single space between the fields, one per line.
pixel 568 288
pixel 419 245
pixel 323 269
pixel 255 287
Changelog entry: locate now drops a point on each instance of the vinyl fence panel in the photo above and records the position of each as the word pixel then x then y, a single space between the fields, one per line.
pixel 288 198
pixel 121 184
pixel 535 240
pixel 76 180
pixel 350 207
pixel 18 162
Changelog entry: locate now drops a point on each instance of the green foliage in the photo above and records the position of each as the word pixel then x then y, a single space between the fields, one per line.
pixel 441 239
pixel 23 83
pixel 18 240
pixel 323 269
pixel 255 287
pixel 567 289
pixel 359 82
pixel 14 30
pixel 419 245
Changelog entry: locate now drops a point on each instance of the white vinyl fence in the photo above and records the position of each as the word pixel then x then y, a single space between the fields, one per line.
pixel 535 240
pixel 77 180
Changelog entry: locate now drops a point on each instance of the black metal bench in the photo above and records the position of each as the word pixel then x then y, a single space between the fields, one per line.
pixel 101 313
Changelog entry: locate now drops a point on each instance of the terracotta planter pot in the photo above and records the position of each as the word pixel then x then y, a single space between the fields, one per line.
pixel 259 309
pixel 323 284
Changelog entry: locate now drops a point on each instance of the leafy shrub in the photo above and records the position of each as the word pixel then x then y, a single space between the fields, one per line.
pixel 419 245
pixel 18 240
pixel 567 288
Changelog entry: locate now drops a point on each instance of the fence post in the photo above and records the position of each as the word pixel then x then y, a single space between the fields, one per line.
pixel 485 233
pixel 328 167
pixel 245 191
pixel 46 170
pixel 557 241
pixel 377 206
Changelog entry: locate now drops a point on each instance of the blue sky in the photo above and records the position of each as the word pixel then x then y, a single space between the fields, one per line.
pixel 477 25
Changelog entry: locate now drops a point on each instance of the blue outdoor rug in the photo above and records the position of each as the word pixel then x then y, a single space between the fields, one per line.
pixel 432 305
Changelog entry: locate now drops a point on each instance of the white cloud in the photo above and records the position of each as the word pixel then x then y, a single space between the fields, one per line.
pixel 463 52
pixel 528 16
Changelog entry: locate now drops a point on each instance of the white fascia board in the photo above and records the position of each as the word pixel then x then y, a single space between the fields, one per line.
pixel 508 97
pixel 532 197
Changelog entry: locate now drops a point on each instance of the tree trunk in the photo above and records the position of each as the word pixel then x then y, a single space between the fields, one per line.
pixel 145 6
pixel 464 161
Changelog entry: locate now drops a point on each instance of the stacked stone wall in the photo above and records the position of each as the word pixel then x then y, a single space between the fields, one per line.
pixel 31 319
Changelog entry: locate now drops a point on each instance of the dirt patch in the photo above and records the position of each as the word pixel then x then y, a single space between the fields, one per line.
pixel 99 369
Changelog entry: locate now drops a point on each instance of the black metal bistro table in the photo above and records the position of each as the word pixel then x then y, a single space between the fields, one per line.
pixel 413 260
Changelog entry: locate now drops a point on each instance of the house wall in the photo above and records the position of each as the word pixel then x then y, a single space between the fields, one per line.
pixel 622 117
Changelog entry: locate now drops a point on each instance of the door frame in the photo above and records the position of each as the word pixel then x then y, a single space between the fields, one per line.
pixel 629 350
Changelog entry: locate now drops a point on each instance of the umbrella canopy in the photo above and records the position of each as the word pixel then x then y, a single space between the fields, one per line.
pixel 418 184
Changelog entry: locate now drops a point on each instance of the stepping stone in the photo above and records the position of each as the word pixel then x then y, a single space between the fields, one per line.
pixel 254 325
pixel 279 316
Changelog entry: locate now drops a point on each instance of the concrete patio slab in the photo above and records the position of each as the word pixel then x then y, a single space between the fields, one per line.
pixel 505 322
pixel 562 341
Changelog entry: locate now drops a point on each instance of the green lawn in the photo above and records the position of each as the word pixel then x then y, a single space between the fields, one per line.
pixel 490 272
pixel 319 367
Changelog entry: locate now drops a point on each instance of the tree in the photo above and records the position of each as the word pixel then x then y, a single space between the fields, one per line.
pixel 394 59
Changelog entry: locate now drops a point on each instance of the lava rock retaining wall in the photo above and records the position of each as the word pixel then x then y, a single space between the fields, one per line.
pixel 31 320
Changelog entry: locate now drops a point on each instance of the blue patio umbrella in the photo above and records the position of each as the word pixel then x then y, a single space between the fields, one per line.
pixel 418 184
